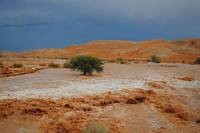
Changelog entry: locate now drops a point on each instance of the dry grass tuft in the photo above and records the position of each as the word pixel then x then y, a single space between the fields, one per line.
pixel 34 111
pixel 131 101
pixel 183 115
pixel 186 78
pixel 56 127
pixel 169 110
pixel 155 85
pixel 136 100
pixel 176 110
pixel 140 99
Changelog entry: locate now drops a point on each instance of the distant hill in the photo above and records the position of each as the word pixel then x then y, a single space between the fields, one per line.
pixel 184 50
pixel 188 42
pixel 8 54
pixel 47 53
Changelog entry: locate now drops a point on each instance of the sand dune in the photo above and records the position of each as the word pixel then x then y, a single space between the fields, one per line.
pixel 185 50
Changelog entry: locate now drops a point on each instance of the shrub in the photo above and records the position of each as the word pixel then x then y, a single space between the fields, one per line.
pixel 197 61
pixel 112 61
pixel 131 60
pixel 67 65
pixel 1 65
pixel 17 65
pixel 93 127
pixel 53 65
pixel 198 121
pixel 155 59
pixel 120 61
pixel 86 64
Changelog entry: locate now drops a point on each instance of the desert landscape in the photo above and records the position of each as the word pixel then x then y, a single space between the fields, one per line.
pixel 39 93
pixel 99 66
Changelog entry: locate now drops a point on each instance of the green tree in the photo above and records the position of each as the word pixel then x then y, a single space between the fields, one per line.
pixel 86 64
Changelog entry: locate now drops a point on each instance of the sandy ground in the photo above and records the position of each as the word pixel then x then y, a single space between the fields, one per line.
pixel 128 98
pixel 56 83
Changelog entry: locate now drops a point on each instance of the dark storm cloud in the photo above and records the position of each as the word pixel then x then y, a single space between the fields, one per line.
pixel 40 11
pixel 55 23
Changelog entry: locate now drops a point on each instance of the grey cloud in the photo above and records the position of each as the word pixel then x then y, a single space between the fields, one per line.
pixel 117 10
pixel 134 9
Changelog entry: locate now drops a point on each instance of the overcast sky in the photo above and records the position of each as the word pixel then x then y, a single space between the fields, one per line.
pixel 33 24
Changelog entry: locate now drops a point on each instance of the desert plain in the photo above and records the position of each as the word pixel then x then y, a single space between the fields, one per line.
pixel 135 96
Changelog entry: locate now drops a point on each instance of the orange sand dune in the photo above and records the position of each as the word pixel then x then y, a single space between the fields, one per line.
pixel 185 50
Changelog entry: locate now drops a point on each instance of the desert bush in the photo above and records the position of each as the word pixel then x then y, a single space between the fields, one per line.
pixel 131 101
pixel 67 65
pixel 136 100
pixel 93 127
pixel 86 64
pixel 197 61
pixel 120 61
pixel 130 60
pixel 17 65
pixel 155 59
pixel 169 110
pixel 198 121
pixel 112 61
pixel 1 65
pixel 53 65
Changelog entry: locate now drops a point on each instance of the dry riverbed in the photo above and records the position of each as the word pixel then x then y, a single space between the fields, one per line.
pixel 125 98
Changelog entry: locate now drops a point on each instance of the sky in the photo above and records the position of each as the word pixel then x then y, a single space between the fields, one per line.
pixel 34 24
